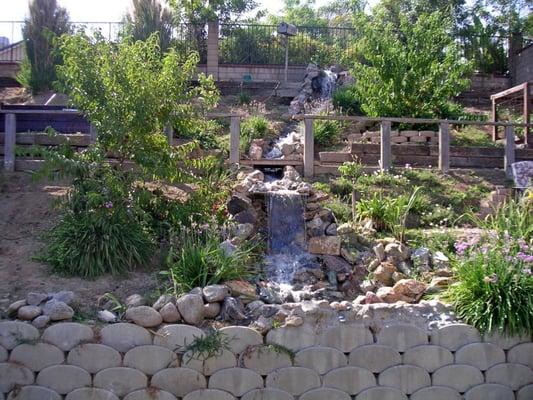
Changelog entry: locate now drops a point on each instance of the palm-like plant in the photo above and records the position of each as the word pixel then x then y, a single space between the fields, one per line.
pixel 46 20
pixel 148 17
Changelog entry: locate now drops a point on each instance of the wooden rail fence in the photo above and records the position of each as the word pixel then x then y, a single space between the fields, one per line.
pixel 11 138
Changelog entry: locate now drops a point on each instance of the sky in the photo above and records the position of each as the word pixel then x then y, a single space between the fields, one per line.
pixel 87 11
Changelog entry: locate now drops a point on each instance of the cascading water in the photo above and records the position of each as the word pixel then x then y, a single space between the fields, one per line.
pixel 327 84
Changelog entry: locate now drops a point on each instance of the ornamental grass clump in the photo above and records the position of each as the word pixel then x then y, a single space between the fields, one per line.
pixel 494 289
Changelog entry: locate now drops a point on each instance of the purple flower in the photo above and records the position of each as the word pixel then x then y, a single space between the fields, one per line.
pixel 527 271
pixel 108 204
pixel 525 257
pixel 491 278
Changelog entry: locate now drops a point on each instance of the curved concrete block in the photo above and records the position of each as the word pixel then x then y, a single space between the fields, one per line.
pixel 489 391
pixel 402 336
pixel 267 394
pixel 513 375
pixel 407 378
pixel 429 357
pixel 381 393
pixel 480 355
pixel 325 393
pixel 67 335
pixel 320 359
pixel 37 356
pixel 374 357
pixel 436 393
pixel 177 336
pixel 293 380
pixel 351 380
pixel 455 336
pixel 346 337
pixel 120 380
pixel 236 381
pixel 241 338
pixel 521 354
pixel 13 333
pixel 94 357
pixel 460 377
pixel 265 359
pixel 34 393
pixel 63 378
pixel 91 394
pixel 179 381
pixel 150 358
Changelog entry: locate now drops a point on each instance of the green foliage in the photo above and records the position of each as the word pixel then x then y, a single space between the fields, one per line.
pixel 254 127
pixel 494 291
pixel 342 211
pixel 207 133
pixel 130 91
pixel 346 101
pixel 148 17
pixel 197 259
pixel 327 132
pixel 352 170
pixel 90 239
pixel 409 70
pixel 45 23
pixel 244 98
pixel 197 12
pixel 472 137
pixel 212 344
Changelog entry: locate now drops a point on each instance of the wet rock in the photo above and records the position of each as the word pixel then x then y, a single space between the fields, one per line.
pixel 162 301
pixel 294 321
pixel 134 300
pixel 211 310
pixel 238 203
pixel 269 295
pixel 232 310
pixel 331 230
pixel 243 232
pixel 290 173
pixel 57 310
pixel 242 288
pixel 106 316
pixel 191 308
pixel 246 216
pixel 287 148
pixel 34 299
pixel 27 313
pixel 361 299
pixel 332 278
pixel 315 227
pixel 330 245
pixel 398 276
pixel 254 307
pixel 336 264
pixel 373 265
pixel 256 175
pixel 262 325
pixel 367 286
pixel 41 321
pixel 349 255
pixel 383 273
pixel 304 188
pixel 215 293
pixel 169 313
pixel 404 267
pixel 345 229
pixel 372 298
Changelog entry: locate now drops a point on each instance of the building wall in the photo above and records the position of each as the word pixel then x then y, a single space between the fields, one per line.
pixel 524 65
pixel 340 362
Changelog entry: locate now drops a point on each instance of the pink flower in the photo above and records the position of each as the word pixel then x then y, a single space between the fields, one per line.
pixel 108 204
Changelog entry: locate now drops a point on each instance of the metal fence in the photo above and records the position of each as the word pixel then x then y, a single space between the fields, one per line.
pixel 185 37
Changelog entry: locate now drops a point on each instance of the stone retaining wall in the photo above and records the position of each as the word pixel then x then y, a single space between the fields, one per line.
pixel 347 361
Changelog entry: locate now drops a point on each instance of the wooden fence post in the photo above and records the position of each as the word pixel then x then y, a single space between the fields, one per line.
pixel 444 147
pixel 93 133
pixel 10 141
pixel 494 118
pixel 528 139
pixel 309 149
pixel 509 156
pixel 169 133
pixel 234 139
pixel 385 154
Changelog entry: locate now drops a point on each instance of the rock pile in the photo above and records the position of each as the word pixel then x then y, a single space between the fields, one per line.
pixel 41 308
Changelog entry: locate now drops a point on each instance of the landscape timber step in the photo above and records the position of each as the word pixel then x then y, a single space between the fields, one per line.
pixel 272 163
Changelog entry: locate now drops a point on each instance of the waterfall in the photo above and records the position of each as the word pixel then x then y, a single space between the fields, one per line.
pixel 286 235
pixel 327 84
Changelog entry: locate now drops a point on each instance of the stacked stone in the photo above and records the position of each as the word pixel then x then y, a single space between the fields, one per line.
pixel 43 308
pixel 397 137
pixel 338 362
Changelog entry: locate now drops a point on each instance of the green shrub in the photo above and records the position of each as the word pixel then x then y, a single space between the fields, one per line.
pixel 341 211
pixel 255 127
pixel 494 290
pixel 197 259
pixel 352 170
pixel 244 98
pixel 470 136
pixel 101 229
pixel 327 132
pixel 346 101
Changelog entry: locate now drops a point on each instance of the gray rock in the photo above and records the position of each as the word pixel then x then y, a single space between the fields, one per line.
pixel 196 290
pixel 243 231
pixel 211 310
pixel 41 321
pixel 404 268
pixel 232 310
pixel 28 313
pixel 421 257
pixel 397 251
pixel 336 264
pixel 228 247
pixel 65 296
pixel 440 261
pixel 169 312
pixel 57 310
pixel 162 301
pixel 191 308
pixel 269 295
pixel 246 216
pixel 144 316
pixel 315 227
pixel 379 251
pixel 215 293
pixel 14 307
pixel 106 316
pixel 34 299
pixel 135 300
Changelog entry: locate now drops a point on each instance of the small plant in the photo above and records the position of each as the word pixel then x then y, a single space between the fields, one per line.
pixel 196 258
pixel 470 137
pixel 327 132
pixel 255 127
pixel 494 289
pixel 212 344
pixel 244 98
pixel 345 99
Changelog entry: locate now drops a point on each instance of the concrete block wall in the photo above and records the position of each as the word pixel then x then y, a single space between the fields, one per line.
pixel 72 361
pixel 397 137
pixel 523 66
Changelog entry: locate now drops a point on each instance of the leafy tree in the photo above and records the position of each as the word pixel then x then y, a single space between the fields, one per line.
pixel 408 71
pixel 148 17
pixel 203 11
pixel 45 22
pixel 508 15
pixel 130 91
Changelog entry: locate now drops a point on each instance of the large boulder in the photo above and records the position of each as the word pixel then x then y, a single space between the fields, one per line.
pixel 238 203
pixel 191 308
